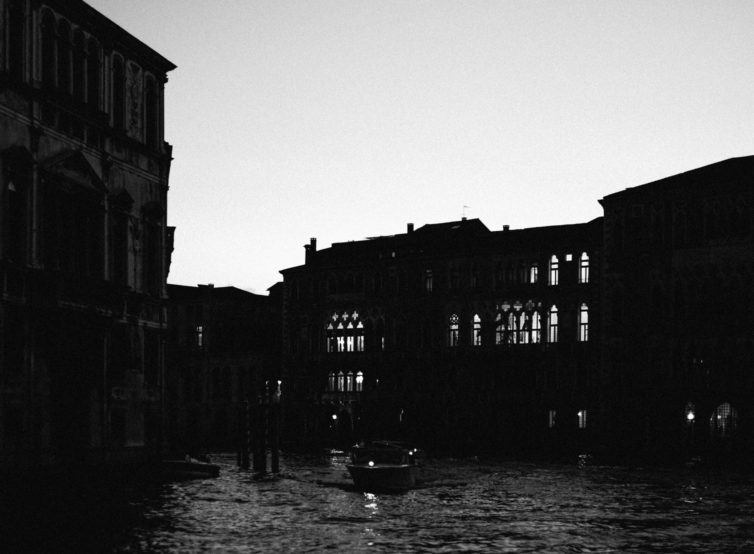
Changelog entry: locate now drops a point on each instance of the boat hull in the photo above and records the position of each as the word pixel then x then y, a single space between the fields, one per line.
pixel 182 469
pixel 384 477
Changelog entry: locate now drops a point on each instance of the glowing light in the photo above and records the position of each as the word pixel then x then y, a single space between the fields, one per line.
pixel 690 416
pixel 371 463
pixel 334 417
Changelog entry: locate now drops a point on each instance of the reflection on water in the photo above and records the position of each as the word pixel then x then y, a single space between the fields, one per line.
pixel 465 506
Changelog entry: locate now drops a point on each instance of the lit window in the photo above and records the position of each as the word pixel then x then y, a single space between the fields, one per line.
pixel 344 333
pixel 331 381
pixel 341 381
pixel 453 330
pixel 584 268
pixel 536 327
pixel 723 421
pixel 584 323
pixel 569 257
pixel 428 280
pixel 476 332
pixel 582 419
pixel 551 418
pixel 349 381
pixel 553 270
pixel 552 327
pixel 523 328
pixel 533 273
pixel 690 413
pixel 199 336
pixel 359 381
pixel 341 344
pixel 499 329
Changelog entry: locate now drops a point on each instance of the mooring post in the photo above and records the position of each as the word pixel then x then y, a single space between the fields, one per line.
pixel 275 434
pixel 260 431
pixel 244 435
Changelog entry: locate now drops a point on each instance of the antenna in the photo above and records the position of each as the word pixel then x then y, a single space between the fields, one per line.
pixel 463 212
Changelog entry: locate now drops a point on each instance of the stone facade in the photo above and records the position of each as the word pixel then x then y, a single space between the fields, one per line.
pixel 85 246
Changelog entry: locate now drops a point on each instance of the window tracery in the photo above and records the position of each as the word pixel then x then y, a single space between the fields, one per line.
pixel 344 332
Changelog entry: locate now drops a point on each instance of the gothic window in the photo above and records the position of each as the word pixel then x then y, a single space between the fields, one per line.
pixel 536 327
pixel 552 325
pixel 476 331
pixel 533 273
pixel 349 381
pixel 331 381
pixel 584 322
pixel 584 268
pixel 119 91
pixel 499 329
pixel 48 49
pixel 152 250
pixel 453 330
pixel 93 74
pixel 199 336
pixel 64 57
pixel 551 418
pixel 359 381
pixel 341 382
pixel 553 270
pixel 344 332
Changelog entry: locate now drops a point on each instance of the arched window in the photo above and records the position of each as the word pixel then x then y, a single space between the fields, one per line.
pixel 536 327
pixel 584 322
pixel 359 381
pixel 64 57
pixel 723 421
pixel 349 381
pixel 553 270
pixel 584 268
pixel 79 66
pixel 48 50
pixel 453 330
pixel 499 329
pixel 93 74
pixel 15 208
pixel 331 381
pixel 533 273
pixel 552 325
pixel 344 332
pixel 150 113
pixel 360 337
pixel 476 331
pixel 119 91
pixel 341 382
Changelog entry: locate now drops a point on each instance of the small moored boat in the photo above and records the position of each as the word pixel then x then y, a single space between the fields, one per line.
pixel 189 468
pixel 383 466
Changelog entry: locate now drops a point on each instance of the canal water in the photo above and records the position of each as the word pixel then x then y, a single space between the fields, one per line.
pixel 466 505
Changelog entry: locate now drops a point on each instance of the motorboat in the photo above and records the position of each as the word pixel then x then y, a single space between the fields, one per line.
pixel 384 466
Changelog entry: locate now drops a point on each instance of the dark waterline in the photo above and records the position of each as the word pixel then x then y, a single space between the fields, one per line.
pixel 466 506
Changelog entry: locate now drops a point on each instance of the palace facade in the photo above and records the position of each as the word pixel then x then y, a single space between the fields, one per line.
pixel 84 242
pixel 627 335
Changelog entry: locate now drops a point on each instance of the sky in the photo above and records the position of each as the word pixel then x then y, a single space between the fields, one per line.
pixel 345 119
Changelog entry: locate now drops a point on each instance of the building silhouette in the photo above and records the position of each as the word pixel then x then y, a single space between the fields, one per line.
pixel 223 348
pixel 84 245
pixel 627 335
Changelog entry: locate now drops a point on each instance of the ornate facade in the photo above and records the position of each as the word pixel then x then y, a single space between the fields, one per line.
pixel 630 335
pixel 84 242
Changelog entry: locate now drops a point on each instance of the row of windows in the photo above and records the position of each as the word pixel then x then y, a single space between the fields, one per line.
pixel 71 64
pixel 722 422
pixel 345 382
pixel 519 324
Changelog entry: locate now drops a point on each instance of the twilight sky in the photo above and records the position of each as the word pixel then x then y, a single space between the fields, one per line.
pixel 347 119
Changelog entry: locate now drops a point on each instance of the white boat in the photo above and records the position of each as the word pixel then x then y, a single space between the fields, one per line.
pixel 384 466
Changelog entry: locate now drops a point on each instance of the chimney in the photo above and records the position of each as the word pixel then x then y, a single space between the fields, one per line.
pixel 506 227
pixel 310 248
pixel 410 228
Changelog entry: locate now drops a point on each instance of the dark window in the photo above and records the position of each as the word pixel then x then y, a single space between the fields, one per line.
pixel 79 67
pixel 119 91
pixel 64 57
pixel 151 111
pixel 48 50
pixel 16 39
pixel 93 74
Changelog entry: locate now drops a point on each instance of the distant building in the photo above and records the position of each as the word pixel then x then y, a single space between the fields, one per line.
pixel 84 243
pixel 450 333
pixel 628 335
pixel 223 350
